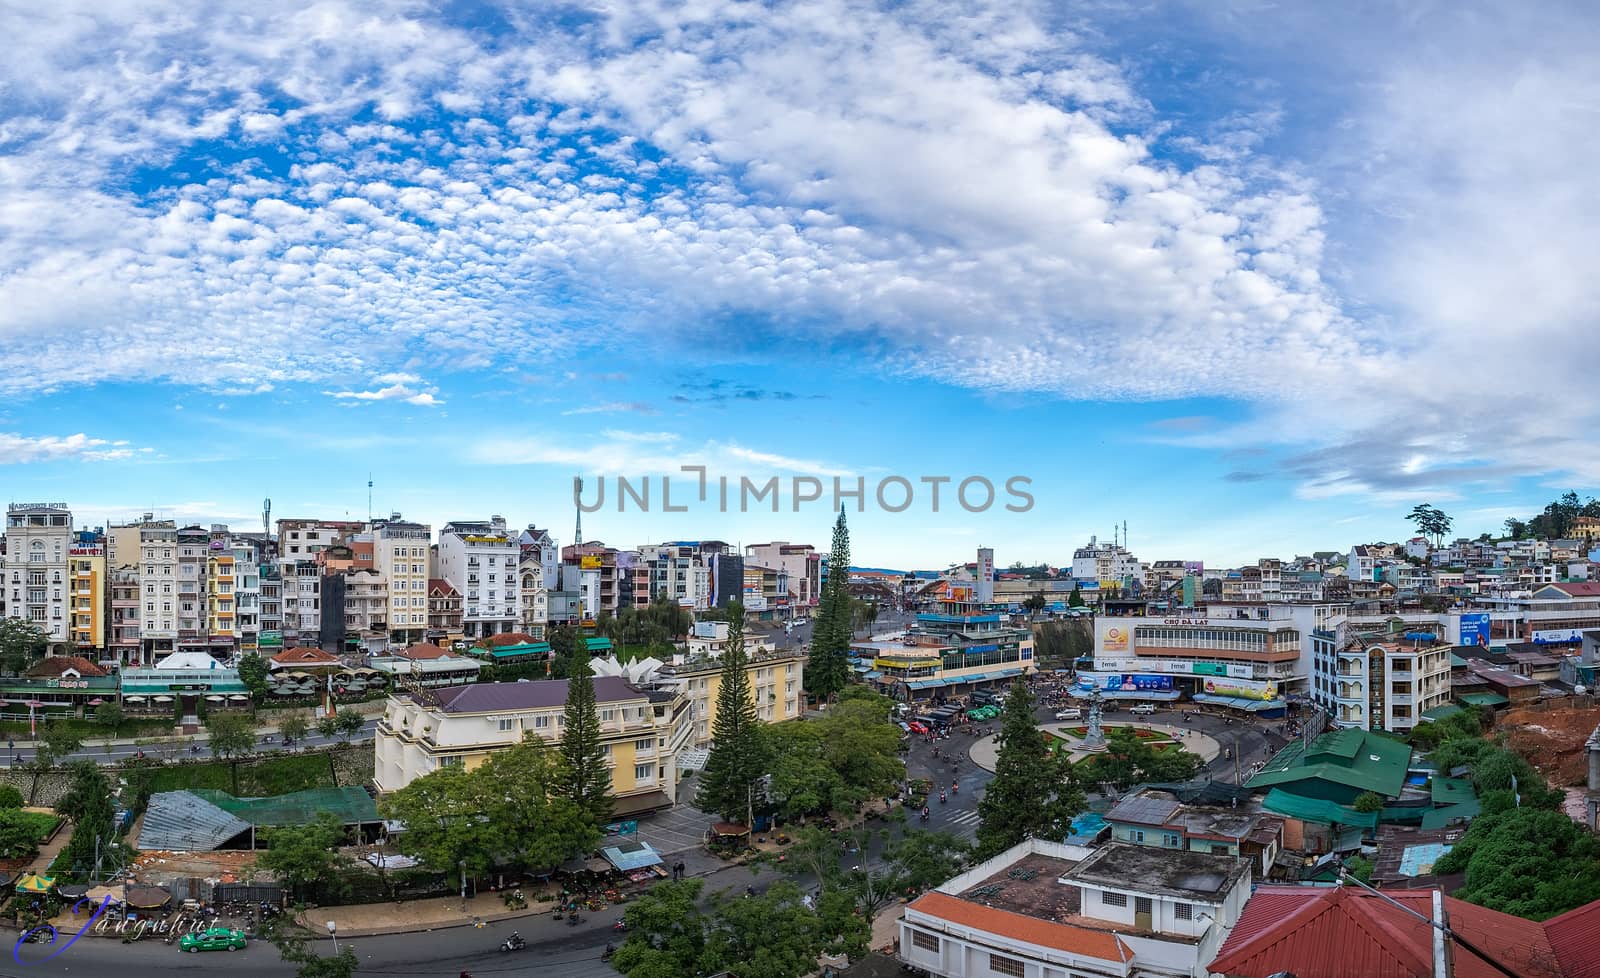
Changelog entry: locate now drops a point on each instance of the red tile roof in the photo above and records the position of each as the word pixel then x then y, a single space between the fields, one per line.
pixel 1575 937
pixel 55 665
pixel 1020 927
pixel 422 650
pixel 438 586
pixel 1343 932
pixel 1580 589
pixel 305 655
pixel 510 638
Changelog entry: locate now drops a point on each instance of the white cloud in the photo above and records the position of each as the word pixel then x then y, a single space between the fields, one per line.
pixel 398 391
pixel 612 407
pixel 652 437
pixel 15 448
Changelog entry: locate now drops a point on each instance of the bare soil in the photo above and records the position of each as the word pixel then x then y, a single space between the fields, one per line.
pixel 1552 741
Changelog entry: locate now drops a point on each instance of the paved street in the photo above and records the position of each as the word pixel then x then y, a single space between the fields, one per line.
pixel 180 748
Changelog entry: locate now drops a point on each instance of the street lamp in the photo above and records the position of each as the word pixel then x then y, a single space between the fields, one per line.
pixel 333 933
pixel 463 867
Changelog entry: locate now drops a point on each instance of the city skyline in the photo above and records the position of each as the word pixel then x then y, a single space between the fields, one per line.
pixel 1253 294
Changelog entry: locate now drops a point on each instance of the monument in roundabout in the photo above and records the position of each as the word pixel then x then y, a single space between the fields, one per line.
pixel 1094 738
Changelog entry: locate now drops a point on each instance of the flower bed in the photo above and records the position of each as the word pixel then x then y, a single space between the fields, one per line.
pixel 1143 733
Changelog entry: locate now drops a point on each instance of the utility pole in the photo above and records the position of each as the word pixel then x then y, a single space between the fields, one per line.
pixel 1237 778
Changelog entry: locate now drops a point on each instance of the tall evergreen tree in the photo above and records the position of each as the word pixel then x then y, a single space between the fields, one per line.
pixel 1034 793
pixel 727 785
pixel 828 670
pixel 584 777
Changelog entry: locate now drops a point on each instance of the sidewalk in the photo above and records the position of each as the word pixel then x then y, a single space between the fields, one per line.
pixel 50 850
pixel 434 913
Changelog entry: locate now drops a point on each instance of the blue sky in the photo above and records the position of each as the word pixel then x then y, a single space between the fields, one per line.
pixel 1255 278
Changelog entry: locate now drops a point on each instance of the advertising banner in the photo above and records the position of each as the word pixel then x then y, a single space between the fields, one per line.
pixel 1475 630
pixel 1123 682
pixel 1554 635
pixel 1117 638
pixel 1242 688
pixel 755 602
pixel 589 563
pixel 1241 672
pixel 1195 567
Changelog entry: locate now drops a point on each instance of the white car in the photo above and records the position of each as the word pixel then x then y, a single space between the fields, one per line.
pixel 1143 709
pixel 1072 714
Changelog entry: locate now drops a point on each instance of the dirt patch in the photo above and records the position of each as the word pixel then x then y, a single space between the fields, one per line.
pixel 158 867
pixel 1552 741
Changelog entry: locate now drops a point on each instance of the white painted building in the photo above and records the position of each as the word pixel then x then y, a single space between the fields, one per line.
pixel 400 552
pixel 38 537
pixel 533 596
pixel 1046 910
pixel 1104 562
pixel 1383 685
pixel 480 560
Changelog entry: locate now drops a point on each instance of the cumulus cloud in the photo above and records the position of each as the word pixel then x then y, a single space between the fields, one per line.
pixel 398 390
pixel 612 407
pixel 15 449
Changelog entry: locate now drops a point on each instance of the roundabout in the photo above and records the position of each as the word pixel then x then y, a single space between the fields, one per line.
pixel 985 751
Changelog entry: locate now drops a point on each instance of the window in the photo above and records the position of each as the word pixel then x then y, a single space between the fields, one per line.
pixel 542 721
pixel 507 724
pixel 1171 840
pixel 449 762
pixel 644 745
pixel 644 772
pixel 924 940
pixel 1183 911
pixel 1005 966
pixel 1114 899
pixel 1137 835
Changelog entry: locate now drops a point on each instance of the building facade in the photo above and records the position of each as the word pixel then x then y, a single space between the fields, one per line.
pixel 38 539
pixel 86 566
pixel 801 565
pixel 400 552
pixel 480 560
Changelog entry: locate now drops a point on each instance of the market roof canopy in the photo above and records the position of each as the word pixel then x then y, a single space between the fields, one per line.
pixel 32 883
pixel 630 855
pixel 1484 699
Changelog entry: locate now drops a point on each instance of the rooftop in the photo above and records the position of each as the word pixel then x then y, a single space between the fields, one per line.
pixel 1196 876
pixel 543 694
pixel 1032 886
pixel 1357 759
pixel 1020 927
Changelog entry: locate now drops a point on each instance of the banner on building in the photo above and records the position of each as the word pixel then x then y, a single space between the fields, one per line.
pixel 1117 638
pixel 1552 636
pixel 591 562
pixel 1242 688
pixel 1475 630
pixel 1124 682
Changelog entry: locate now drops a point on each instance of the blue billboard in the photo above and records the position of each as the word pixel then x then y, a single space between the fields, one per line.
pixel 1475 630
pixel 1124 682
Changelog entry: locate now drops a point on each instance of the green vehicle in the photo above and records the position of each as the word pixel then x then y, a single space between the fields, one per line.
pixel 983 713
pixel 214 939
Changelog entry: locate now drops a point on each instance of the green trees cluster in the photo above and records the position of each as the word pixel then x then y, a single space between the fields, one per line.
pixel 509 810
pixel 671 933
pixel 583 775
pixel 1556 519
pixel 253 674
pixel 909 864
pixel 650 629
pixel 231 737
pixel 1431 522
pixel 22 643
pixel 307 861
pixel 1035 791
pixel 828 670
pixel 87 802
pixel 837 762
pixel 737 760
pixel 1128 761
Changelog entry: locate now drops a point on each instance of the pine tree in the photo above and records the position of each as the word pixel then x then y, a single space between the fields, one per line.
pixel 727 785
pixel 1033 793
pixel 828 671
pixel 584 777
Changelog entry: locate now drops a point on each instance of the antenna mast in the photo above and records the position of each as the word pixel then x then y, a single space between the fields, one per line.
pixel 577 531
pixel 266 517
pixel 369 499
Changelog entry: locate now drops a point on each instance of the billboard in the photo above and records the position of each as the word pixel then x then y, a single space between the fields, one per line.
pixel 589 563
pixel 1552 636
pixel 1475 630
pixel 1116 638
pixel 1124 682
pixel 1195 567
pixel 1242 688
pixel 755 602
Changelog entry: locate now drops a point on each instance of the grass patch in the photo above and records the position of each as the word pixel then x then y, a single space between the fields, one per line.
pixel 1143 733
pixel 90 730
pixel 259 778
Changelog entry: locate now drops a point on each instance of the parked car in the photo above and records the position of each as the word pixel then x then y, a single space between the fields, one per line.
pixel 1070 714
pixel 917 727
pixel 214 939
pixel 1143 709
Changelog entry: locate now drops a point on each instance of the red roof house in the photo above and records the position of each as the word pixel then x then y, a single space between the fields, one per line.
pixel 1349 932
pixel 304 657
pixel 75 666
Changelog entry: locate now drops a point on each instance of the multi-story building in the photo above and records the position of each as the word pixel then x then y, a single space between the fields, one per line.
pixel 90 600
pixel 122 641
pixel 606 576
pixel 538 545
pixel 246 555
pixel 355 611
pixel 777 682
pixel 400 552
pixel 444 612
pixel 193 545
pixel 221 613
pixel 1047 910
pixel 302 602
pixel 641 732
pixel 801 564
pixel 301 539
pixel 270 618
pixel 480 560
pixel 1383 685
pixel 766 593
pixel 948 654
pixel 683 570
pixel 1109 564
pixel 38 538
pixel 533 596
pixel 158 588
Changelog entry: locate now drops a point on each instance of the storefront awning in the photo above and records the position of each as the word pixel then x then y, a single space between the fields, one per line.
pixel 631 855
pixel 649 801
pixel 1240 703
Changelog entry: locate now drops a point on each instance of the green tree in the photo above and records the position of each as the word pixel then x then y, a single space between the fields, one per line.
pixel 1034 603
pixel 1516 529
pixel 56 744
pixel 87 801
pixel 306 859
pixel 19 834
pixel 1431 522
pixel 295 948
pixel 445 824
pixel 1075 599
pixel 347 723
pixel 584 777
pixel 1368 802
pixel 727 785
pixel 22 643
pixel 293 726
pixel 536 824
pixel 253 673
pixel 564 645
pixel 1034 791
pixel 328 726
pixel 836 762
pixel 1531 862
pixel 109 714
pixel 231 736
pixel 10 797
pixel 666 933
pixel 1359 868
pixel 828 670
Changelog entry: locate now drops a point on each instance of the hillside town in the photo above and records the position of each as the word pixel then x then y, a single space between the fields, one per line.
pixel 1317 765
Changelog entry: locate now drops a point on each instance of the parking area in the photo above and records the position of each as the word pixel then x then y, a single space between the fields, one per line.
pixel 677 829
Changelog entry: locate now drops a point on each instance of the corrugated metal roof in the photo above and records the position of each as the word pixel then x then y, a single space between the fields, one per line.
pixel 350 805
pixel 545 693
pixel 182 821
pixel 1575 937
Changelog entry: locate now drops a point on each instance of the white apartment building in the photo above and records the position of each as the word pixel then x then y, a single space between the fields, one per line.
pixel 533 596
pixel 400 552
pixel 681 570
pixel 1047 910
pixel 1104 562
pixel 541 547
pixel 158 588
pixel 38 538
pixel 302 602
pixel 800 561
pixel 480 560
pixel 1386 686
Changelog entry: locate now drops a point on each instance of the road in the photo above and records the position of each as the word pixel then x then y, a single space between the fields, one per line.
pixel 180 747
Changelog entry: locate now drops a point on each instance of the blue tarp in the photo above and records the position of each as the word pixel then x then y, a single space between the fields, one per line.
pixel 632 855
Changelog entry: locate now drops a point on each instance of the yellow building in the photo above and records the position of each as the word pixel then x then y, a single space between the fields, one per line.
pixel 641 733
pixel 220 599
pixel 777 680
pixel 86 569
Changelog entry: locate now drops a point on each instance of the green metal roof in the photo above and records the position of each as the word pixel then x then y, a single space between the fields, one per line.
pixel 351 805
pixel 1484 699
pixel 597 644
pixel 1456 662
pixel 1317 810
pixel 1354 758
pixel 513 651
pixel 1453 791
pixel 1440 712
pixel 1438 818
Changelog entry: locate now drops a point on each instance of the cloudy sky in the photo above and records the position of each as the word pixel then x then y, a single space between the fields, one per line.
pixel 1253 276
